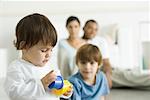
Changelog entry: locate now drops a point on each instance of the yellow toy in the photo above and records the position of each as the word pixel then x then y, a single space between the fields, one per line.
pixel 66 87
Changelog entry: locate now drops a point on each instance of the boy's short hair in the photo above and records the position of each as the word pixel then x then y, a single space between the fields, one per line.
pixel 89 53
pixel 35 28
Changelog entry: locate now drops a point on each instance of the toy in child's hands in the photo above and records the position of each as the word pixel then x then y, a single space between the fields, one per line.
pixel 57 84
pixel 60 86
pixel 66 87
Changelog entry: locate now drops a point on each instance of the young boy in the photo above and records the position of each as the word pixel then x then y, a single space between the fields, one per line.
pixel 89 82
pixel 36 37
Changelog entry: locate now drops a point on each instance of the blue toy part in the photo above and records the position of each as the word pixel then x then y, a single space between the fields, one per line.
pixel 57 84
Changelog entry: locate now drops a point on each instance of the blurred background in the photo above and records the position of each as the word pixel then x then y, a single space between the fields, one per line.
pixel 125 24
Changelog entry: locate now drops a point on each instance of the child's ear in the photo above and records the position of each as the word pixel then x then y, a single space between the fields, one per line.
pixel 22 45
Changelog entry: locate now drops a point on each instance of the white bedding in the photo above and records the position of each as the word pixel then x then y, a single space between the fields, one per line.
pixel 131 78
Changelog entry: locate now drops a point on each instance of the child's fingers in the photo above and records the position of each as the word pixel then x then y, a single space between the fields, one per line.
pixel 52 76
pixel 49 78
pixel 49 75
pixel 70 90
pixel 52 73
pixel 67 93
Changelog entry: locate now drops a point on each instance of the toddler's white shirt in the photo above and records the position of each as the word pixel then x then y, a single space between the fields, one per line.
pixel 23 81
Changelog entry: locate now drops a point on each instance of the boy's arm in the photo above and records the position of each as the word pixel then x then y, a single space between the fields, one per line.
pixel 102 98
pixel 108 71
pixel 105 87
pixel 76 95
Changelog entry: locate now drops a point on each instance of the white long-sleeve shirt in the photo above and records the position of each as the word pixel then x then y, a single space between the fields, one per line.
pixel 23 81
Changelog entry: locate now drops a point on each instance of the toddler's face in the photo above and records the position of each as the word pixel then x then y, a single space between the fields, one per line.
pixel 88 70
pixel 38 54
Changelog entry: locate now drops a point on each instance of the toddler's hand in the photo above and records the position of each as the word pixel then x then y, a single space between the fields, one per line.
pixel 48 79
pixel 69 92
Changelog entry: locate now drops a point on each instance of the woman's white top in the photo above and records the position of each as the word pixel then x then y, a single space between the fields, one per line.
pixel 23 81
pixel 66 59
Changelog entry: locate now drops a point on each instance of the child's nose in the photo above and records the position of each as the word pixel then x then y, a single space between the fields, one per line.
pixel 48 55
pixel 87 65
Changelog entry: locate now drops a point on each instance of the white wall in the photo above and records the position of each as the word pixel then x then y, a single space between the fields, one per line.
pixel 126 14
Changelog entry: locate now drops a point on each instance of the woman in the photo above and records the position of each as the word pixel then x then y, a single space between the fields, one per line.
pixel 67 47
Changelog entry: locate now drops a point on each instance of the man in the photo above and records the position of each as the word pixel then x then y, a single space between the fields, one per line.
pixel 90 30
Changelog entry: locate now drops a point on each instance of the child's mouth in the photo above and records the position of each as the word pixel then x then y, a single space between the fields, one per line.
pixel 45 61
pixel 86 72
